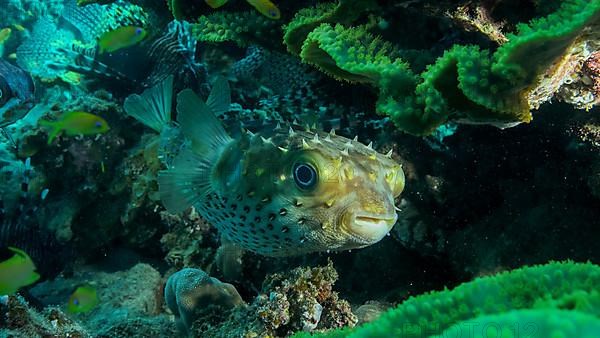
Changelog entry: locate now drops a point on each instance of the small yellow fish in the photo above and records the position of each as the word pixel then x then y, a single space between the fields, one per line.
pixel 122 37
pixel 5 35
pixel 266 8
pixel 16 272
pixel 216 3
pixel 84 299
pixel 19 27
pixel 75 123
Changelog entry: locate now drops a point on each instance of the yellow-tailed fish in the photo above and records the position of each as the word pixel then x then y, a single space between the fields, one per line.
pixel 84 299
pixel 5 35
pixel 122 37
pixel 16 272
pixel 266 8
pixel 216 3
pixel 280 194
pixel 75 123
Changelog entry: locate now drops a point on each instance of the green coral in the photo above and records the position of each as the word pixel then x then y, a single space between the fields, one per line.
pixel 307 19
pixel 466 83
pixel 573 288
pixel 356 56
pixel 242 28
pixel 529 323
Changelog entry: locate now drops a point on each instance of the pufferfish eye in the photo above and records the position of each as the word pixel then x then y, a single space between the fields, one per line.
pixel 305 175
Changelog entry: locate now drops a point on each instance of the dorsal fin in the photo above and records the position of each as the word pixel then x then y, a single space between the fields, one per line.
pixel 199 124
pixel 189 179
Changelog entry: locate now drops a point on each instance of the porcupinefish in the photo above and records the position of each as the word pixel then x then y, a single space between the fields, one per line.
pixel 282 193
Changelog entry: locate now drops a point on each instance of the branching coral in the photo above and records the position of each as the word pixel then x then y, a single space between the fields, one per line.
pixel 571 288
pixel 242 28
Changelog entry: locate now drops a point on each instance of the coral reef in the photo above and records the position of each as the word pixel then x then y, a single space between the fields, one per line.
pixel 130 300
pixel 19 319
pixel 190 241
pixel 301 299
pixel 571 287
pixel 242 28
pixel 190 293
pixel 478 200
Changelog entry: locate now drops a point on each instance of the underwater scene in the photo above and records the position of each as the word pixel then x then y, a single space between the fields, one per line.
pixel 300 168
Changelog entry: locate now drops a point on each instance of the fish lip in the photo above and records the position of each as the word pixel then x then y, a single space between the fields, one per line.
pixel 371 228
pixel 374 218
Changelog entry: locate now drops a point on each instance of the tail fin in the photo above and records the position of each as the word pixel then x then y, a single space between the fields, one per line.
pixel 188 181
pixel 153 107
pixel 54 128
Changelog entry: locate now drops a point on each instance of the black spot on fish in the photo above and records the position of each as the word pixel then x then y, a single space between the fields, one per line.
pixel 246 209
pixel 258 207
pixel 234 206
pixel 282 211
pixel 272 216
pixel 262 231
pixel 270 226
pixel 243 218
pixel 238 197
pixel 275 237
pixel 285 229
pixel 257 219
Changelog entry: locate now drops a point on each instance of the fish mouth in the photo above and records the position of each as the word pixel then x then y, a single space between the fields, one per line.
pixel 372 228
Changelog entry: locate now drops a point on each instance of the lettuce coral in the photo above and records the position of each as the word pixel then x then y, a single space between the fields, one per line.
pixel 466 83
pixel 566 290
pixel 307 19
